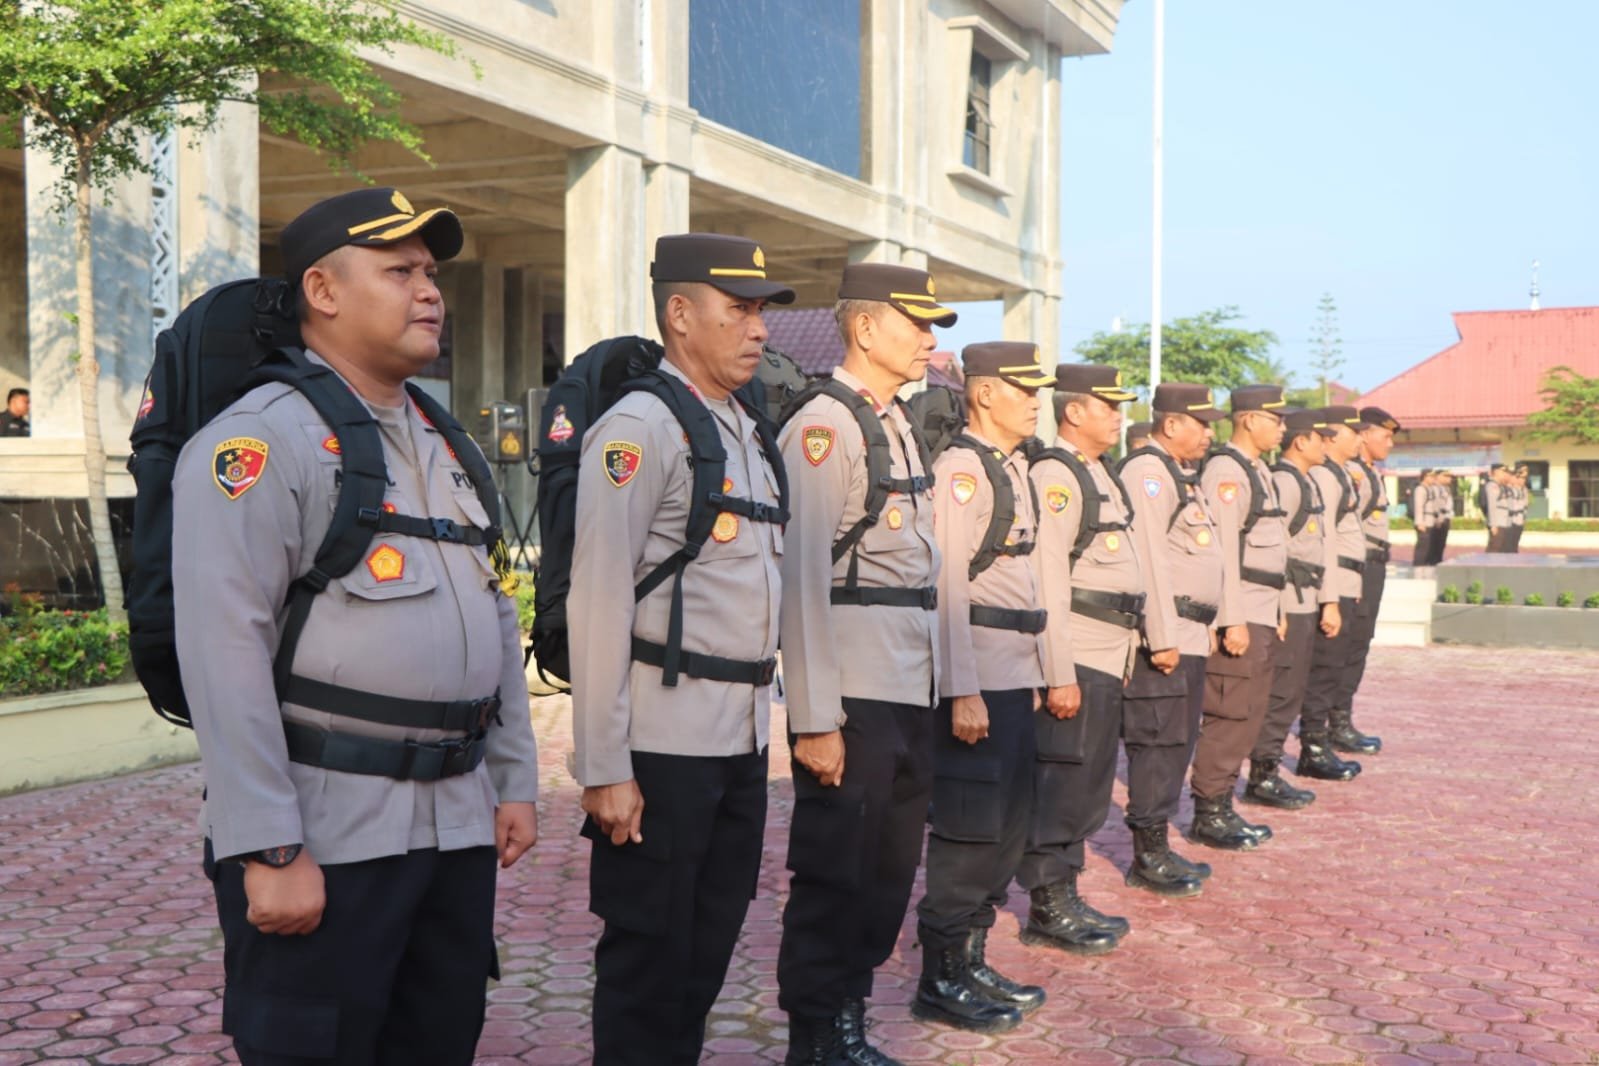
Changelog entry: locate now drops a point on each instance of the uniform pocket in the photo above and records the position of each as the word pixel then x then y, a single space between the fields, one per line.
pixel 392 569
pixel 825 836
pixel 1227 696
pixel 1161 722
pixel 1062 739
pixel 968 800
pixel 630 885
pixel 281 1025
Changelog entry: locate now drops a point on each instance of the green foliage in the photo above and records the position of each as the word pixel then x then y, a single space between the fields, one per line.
pixel 52 651
pixel 1450 594
pixel 1203 349
pixel 1565 599
pixel 524 605
pixel 93 77
pixel 1503 595
pixel 1591 601
pixel 1572 408
pixel 1326 355
pixel 1474 592
pixel 1533 600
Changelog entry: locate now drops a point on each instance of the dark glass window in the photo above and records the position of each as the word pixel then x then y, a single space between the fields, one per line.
pixel 787 73
pixel 979 119
pixel 1584 497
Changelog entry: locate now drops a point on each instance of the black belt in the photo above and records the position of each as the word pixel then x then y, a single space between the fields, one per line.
pixel 1305 575
pixel 1008 618
pixel 708 667
pixel 1262 577
pixel 1187 607
pixel 454 716
pixel 864 596
pixel 1378 555
pixel 1357 565
pixel 403 760
pixel 1125 609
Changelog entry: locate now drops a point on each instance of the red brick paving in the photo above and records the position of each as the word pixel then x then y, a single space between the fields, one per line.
pixel 1444 907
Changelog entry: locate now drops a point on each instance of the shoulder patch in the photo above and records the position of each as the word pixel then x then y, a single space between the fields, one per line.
pixel 1056 497
pixel 622 459
pixel 1151 486
pixel 963 487
pixel 238 463
pixel 818 442
pixel 1227 491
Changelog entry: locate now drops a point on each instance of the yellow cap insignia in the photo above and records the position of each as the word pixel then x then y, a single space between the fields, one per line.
pixel 760 258
pixel 401 203
pixel 1118 379
pixel 930 290
pixel 386 564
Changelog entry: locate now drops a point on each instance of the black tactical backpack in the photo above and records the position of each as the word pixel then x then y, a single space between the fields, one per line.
pixel 228 341
pixel 1310 502
pixel 586 389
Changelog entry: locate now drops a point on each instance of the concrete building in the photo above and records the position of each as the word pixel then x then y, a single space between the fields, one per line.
pixel 923 132
pixel 1466 408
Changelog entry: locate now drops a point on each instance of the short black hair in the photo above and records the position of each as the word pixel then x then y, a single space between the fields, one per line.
pixel 14 393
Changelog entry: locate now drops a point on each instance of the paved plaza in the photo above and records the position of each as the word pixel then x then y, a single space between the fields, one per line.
pixel 1444 907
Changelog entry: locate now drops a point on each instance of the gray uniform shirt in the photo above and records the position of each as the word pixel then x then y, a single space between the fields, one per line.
pixel 1371 491
pixel 1181 554
pixel 1500 502
pixel 1348 540
pixel 975 658
pixel 632 511
pixel 1518 505
pixel 831 650
pixel 1229 488
pixel 1109 564
pixel 1314 544
pixel 1424 506
pixel 420 620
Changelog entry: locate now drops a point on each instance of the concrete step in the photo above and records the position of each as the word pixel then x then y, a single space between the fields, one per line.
pixel 1405 617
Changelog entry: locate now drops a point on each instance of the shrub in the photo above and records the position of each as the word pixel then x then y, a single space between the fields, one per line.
pixel 1503 595
pixel 1533 600
pixel 1474 592
pixel 1591 601
pixel 52 651
pixel 1565 599
pixel 524 604
pixel 1450 594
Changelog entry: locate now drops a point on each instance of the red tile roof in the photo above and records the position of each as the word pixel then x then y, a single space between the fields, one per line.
pixel 1493 375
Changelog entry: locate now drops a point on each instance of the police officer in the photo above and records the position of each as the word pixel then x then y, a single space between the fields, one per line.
pixel 1093 593
pixel 14 419
pixel 990 619
pixel 1500 505
pixel 1238 674
pixel 1518 509
pixel 1376 431
pixel 1445 516
pixel 859 635
pixel 1309 605
pixel 1424 515
pixel 353 816
pixel 673 768
pixel 1178 546
pixel 1330 650
pixel 1138 436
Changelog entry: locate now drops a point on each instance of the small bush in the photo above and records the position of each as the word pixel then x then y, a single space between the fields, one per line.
pixel 1591 601
pixel 524 604
pixel 1503 595
pixel 1533 600
pixel 1565 599
pixel 53 651
pixel 1450 594
pixel 1474 592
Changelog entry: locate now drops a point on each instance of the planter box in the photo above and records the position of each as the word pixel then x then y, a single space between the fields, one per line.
pixel 84 734
pixel 1544 627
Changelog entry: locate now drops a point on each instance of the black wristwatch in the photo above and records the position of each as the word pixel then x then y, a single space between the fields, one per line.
pixel 275 857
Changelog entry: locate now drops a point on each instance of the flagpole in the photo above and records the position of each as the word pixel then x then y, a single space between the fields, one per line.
pixel 1157 221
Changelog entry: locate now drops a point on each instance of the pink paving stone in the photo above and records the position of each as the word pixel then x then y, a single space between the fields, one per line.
pixel 1543 1051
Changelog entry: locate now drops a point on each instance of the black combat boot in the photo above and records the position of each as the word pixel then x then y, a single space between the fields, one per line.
pixel 814 1042
pixel 1261 832
pixel 1345 737
pixel 1057 920
pixel 852 1037
pixel 1199 871
pixel 995 985
pixel 1318 760
pixel 1154 868
pixel 1267 788
pixel 947 994
pixel 1217 826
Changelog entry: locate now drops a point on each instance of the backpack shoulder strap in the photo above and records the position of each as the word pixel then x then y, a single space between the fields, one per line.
pixel 1003 515
pixel 1370 506
pixel 1346 488
pixel 879 459
pixel 1184 479
pixel 1088 492
pixel 1309 497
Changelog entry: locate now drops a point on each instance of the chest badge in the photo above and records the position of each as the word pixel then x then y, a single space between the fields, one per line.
pixel 818 442
pixel 1113 542
pixel 1202 538
pixel 622 460
pixel 1056 497
pixel 386 564
pixel 1311 525
pixel 894 518
pixel 238 464
pixel 963 487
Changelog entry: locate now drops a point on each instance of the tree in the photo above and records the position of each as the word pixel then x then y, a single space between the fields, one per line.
pixel 1572 411
pixel 1326 353
pixel 93 79
pixel 1203 349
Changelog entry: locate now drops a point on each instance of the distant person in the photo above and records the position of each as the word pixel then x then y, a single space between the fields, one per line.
pixel 1495 501
pixel 1138 436
pixel 14 419
pixel 1518 509
pixel 1445 516
pixel 1423 515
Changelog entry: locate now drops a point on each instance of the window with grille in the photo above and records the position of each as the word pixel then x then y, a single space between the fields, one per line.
pixel 1584 490
pixel 979 120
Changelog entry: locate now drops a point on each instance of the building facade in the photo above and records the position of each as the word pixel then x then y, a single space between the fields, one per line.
pixel 569 136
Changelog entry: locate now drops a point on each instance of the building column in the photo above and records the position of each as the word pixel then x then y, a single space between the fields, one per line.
pixel 13 283
pixel 607 261
pixel 219 197
pixel 666 211
pixel 477 360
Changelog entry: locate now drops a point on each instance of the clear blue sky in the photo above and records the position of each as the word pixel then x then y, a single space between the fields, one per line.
pixel 1410 158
